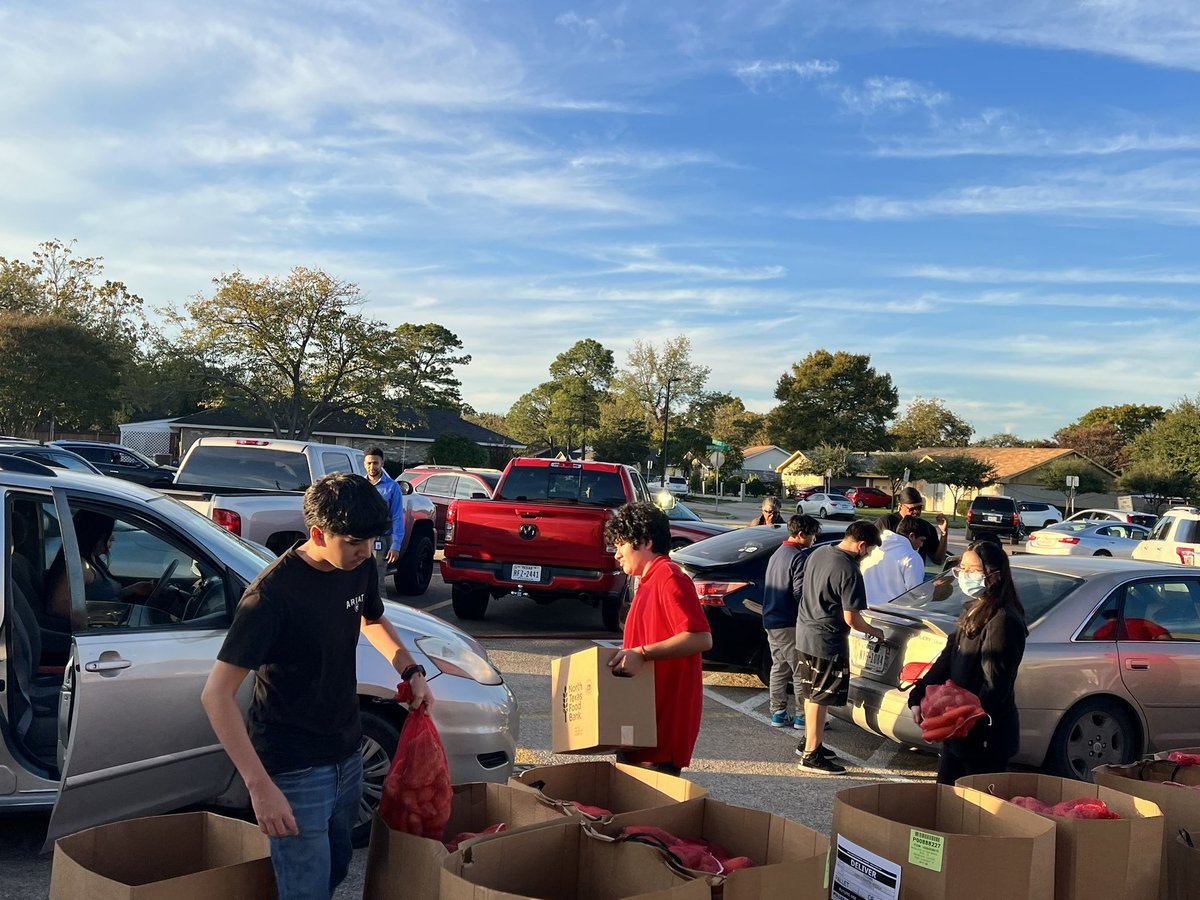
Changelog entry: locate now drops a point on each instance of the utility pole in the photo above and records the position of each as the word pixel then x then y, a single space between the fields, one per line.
pixel 666 416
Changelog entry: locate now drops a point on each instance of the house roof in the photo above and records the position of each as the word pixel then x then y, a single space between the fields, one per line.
pixel 1010 462
pixel 747 452
pixel 425 425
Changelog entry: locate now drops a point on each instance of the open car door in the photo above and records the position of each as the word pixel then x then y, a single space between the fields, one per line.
pixel 133 739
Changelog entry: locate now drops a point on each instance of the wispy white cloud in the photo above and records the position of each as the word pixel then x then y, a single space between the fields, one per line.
pixel 885 94
pixel 998 275
pixel 589 27
pixel 755 74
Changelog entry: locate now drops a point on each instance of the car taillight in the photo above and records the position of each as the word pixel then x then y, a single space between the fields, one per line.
pixel 451 521
pixel 229 520
pixel 1187 555
pixel 911 672
pixel 250 442
pixel 968 514
pixel 1016 520
pixel 1068 540
pixel 713 593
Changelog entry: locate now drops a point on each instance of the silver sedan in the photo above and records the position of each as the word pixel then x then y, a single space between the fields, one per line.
pixel 1080 538
pixel 1109 672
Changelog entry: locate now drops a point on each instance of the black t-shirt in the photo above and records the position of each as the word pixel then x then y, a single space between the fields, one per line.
pixel 298 628
pixel 832 585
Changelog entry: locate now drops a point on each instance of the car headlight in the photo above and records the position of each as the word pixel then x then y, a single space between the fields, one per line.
pixel 459 658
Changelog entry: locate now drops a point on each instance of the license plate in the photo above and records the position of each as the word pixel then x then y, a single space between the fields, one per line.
pixel 995 519
pixel 872 659
pixel 526 573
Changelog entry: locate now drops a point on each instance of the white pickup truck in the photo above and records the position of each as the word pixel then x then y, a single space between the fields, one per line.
pixel 254 487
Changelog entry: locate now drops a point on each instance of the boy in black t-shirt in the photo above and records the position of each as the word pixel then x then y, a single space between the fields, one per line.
pixel 297 629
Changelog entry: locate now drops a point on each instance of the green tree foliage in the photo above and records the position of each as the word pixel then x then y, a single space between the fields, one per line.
pixel 295 349
pixel 55 371
pixel 1053 477
pixel 420 365
pixel 1102 443
pixel 832 398
pixel 960 473
pixel 1172 444
pixel 450 449
pixel 1130 419
pixel 622 436
pixel 565 411
pixel 529 418
pixel 894 466
pixel 832 458
pixel 1161 487
pixel 643 382
pixel 928 423
pixel 1003 439
pixel 496 422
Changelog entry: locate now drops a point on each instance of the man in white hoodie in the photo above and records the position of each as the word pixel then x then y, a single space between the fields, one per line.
pixel 896 565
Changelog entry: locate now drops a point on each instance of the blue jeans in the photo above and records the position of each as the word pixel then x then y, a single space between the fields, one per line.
pixel 324 799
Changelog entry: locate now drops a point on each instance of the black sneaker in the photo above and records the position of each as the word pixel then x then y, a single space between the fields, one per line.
pixel 821 751
pixel 818 763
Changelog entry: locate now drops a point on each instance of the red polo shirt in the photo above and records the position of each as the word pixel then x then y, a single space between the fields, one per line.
pixel 666 605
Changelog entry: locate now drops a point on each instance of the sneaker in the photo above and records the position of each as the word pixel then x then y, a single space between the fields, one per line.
pixel 798 722
pixel 780 719
pixel 818 763
pixel 822 751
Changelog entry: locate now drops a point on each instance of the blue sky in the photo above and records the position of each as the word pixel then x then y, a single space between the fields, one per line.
pixel 997 201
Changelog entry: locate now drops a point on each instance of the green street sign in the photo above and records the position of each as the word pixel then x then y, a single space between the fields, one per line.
pixel 720 445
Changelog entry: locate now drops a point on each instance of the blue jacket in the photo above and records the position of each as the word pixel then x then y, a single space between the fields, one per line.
pixel 389 489
pixel 784 585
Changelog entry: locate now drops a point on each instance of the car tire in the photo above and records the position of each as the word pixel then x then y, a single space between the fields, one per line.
pixel 822 513
pixel 969 534
pixel 858 504
pixel 381 735
pixel 1049 522
pixel 799 509
pixel 416 567
pixel 469 602
pixel 1015 537
pixel 1102 553
pixel 1094 732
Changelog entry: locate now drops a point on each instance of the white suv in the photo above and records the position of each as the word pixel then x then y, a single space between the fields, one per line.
pixel 1037 515
pixel 676 484
pixel 1175 538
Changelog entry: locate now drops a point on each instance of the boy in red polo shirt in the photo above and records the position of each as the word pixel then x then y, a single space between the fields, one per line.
pixel 665 625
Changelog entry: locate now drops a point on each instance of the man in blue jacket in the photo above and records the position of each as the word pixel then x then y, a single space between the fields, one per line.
pixel 782 589
pixel 389 489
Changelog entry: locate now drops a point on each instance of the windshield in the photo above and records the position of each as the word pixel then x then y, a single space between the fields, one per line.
pixel 568 482
pixel 245 467
pixel 1038 591
pixel 680 513
pixel 222 543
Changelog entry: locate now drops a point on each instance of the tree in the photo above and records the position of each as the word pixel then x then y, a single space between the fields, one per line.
pixel 1160 486
pixel 1102 443
pixel 651 373
pixel 295 349
pixel 1005 439
pixel 1130 419
pixel 450 449
pixel 420 365
pixel 496 422
pixel 529 417
pixel 899 468
pixel 928 423
pixel 1053 477
pixel 832 398
pixel 622 437
pixel 829 458
pixel 961 472
pixel 55 371
pixel 1172 444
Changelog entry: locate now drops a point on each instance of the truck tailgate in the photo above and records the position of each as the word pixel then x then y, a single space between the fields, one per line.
pixel 569 535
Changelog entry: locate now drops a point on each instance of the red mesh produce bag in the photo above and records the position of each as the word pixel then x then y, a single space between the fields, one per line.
pixel 948 711
pixel 417 791
pixel 1080 808
pixel 1184 759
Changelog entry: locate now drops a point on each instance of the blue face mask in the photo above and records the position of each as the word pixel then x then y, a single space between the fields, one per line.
pixel 971 583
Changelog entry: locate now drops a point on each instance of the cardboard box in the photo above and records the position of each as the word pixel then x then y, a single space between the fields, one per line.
pixel 563 862
pixel 1185 866
pixel 609 786
pixel 939 843
pixel 1180 806
pixel 593 710
pixel 1092 858
pixel 791 859
pixel 193 856
pixel 402 866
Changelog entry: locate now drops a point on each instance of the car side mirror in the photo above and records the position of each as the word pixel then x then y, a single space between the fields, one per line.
pixel 405 487
pixel 665 500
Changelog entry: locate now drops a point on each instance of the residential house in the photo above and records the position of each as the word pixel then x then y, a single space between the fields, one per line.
pixel 762 461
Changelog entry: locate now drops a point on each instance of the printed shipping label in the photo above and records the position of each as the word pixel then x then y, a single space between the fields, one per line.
pixel 858 874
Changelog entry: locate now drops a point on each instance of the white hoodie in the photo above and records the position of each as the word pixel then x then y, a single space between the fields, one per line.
pixel 892 568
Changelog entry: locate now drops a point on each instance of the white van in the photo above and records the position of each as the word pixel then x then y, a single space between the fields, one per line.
pixel 676 484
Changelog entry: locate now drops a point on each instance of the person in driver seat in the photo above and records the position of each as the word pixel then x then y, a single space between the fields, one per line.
pixel 94 534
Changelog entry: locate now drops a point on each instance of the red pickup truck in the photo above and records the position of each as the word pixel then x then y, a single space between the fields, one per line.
pixel 540 536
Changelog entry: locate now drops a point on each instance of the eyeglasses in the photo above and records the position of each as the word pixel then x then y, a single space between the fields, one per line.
pixel 916 506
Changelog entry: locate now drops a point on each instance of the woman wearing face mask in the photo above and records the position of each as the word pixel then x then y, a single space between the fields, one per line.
pixel 982 655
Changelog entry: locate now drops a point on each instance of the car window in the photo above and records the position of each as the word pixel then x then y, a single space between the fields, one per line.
pixel 332 461
pixel 1039 592
pixel 1161 528
pixel 467 486
pixel 439 485
pixel 1189 531
pixel 1165 609
pixel 641 490
pixel 260 467
pixel 567 482
pixel 993 504
pixel 121 458
pixel 681 513
pixel 93 454
pixel 67 461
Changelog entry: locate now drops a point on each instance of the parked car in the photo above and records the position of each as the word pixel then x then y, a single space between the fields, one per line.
pixel 1088 694
pixel 728 571
pixel 676 484
pixel 687 527
pixel 1094 538
pixel 805 492
pixel 254 488
pixel 112 726
pixel 869 497
pixel 1114 515
pixel 994 515
pixel 824 505
pixel 444 484
pixel 55 457
pixel 120 461
pixel 1037 515
pixel 1175 538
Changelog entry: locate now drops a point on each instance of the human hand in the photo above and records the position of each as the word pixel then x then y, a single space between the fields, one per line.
pixel 393 557
pixel 942 524
pixel 140 589
pixel 421 694
pixel 272 810
pixel 916 714
pixel 627 662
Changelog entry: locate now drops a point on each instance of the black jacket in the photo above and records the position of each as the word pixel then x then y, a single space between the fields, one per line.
pixel 986 665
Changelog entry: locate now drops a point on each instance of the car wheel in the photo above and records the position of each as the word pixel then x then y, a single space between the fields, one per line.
pixel 858 504
pixel 1015 537
pixel 416 567
pixel 380 737
pixel 822 513
pixel 1049 522
pixel 469 602
pixel 969 534
pixel 1096 732
pixel 1101 553
pixel 799 509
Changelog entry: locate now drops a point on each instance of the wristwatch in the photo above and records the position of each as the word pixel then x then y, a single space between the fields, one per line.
pixel 410 671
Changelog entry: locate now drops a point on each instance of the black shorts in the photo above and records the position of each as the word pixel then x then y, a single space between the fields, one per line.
pixel 825 682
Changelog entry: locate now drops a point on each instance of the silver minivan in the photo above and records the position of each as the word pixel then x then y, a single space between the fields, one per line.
pixel 100 703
